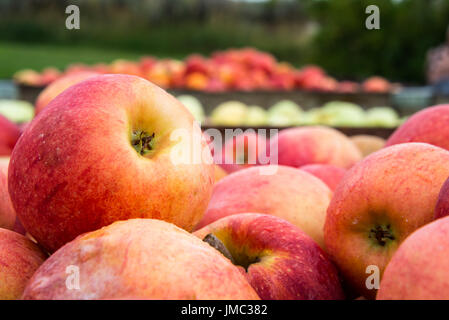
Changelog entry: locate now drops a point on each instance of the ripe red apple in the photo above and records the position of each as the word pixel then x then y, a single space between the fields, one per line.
pixel 58 86
pixel 139 259
pixel 104 150
pixel 367 144
pixel 428 125
pixel 418 269
pixel 242 151
pixel 309 145
pixel 442 206
pixel 376 84
pixel 7 212
pixel 289 193
pixel 378 203
pixel 329 174
pixel 19 259
pixel 9 134
pixel 280 261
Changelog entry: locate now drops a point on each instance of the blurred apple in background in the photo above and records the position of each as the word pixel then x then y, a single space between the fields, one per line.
pixel 382 117
pixel 256 116
pixel 368 144
pixel 376 84
pixel 16 110
pixel 342 114
pixel 194 106
pixel 231 113
pixel 9 134
pixel 280 261
pixel 284 113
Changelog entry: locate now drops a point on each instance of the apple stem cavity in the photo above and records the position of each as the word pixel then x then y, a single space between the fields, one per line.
pixel 216 243
pixel 382 234
pixel 142 141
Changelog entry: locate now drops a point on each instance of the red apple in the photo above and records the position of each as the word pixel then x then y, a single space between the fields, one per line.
pixel 139 259
pixel 9 134
pixel 378 203
pixel 279 260
pixel 329 174
pixel 105 150
pixel 19 259
pixel 418 269
pixel 7 212
pixel 288 193
pixel 310 145
pixel 367 144
pixel 429 125
pixel 442 206
pixel 376 84
pixel 58 86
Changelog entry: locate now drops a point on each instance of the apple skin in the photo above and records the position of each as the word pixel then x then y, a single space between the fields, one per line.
pixel 7 212
pixel 329 174
pixel 9 134
pixel 428 125
pixel 418 269
pixel 315 144
pixel 240 150
pixel 367 144
pixel 142 259
pixel 19 258
pixel 219 173
pixel 286 263
pixel 290 193
pixel 394 189
pixel 58 86
pixel 74 169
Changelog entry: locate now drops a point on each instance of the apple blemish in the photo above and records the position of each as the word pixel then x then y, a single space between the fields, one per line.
pixel 142 141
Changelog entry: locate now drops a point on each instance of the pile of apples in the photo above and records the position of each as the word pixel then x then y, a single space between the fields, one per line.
pixel 288 113
pixel 244 69
pixel 97 201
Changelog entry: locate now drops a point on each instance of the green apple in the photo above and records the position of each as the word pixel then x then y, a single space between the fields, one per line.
pixel 382 117
pixel 194 106
pixel 284 113
pixel 16 110
pixel 231 113
pixel 342 114
pixel 256 116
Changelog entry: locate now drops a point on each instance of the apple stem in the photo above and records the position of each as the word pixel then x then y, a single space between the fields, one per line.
pixel 216 243
pixel 142 141
pixel 382 234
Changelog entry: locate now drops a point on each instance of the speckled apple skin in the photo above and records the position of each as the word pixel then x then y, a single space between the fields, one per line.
pixel 442 206
pixel 398 186
pixel 418 269
pixel 290 193
pixel 140 259
pixel 428 125
pixel 7 212
pixel 329 174
pixel 308 145
pixel 58 86
pixel 74 169
pixel 19 259
pixel 292 266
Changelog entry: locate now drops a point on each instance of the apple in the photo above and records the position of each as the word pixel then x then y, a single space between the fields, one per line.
pixel 378 203
pixel 289 193
pixel 105 150
pixel 342 114
pixel 19 259
pixel 219 173
pixel 256 117
pixel 284 113
pixel 376 85
pixel 58 86
pixel 367 144
pixel 7 212
pixel 139 259
pixel 28 77
pixel 16 110
pixel 442 206
pixel 9 134
pixel 382 117
pixel 231 113
pixel 315 144
pixel 329 174
pixel 280 261
pixel 194 106
pixel 418 269
pixel 242 151
pixel 428 125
